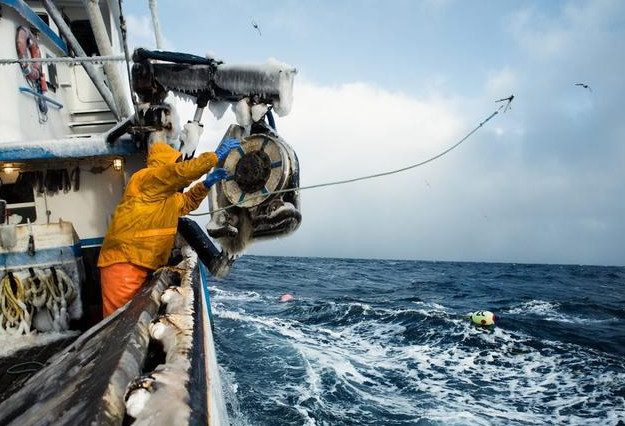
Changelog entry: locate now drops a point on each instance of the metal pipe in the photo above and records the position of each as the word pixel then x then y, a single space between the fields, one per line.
pixel 157 25
pixel 271 121
pixel 106 49
pixel 40 96
pixel 198 114
pixel 56 16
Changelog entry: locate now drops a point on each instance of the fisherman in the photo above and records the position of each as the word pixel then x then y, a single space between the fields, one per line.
pixel 141 234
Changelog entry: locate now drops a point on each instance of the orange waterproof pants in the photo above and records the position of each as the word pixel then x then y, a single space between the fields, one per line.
pixel 120 282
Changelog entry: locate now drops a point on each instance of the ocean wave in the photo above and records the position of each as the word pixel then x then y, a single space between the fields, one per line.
pixel 218 294
pixel 552 311
pixel 331 358
pixel 370 368
pixel 540 307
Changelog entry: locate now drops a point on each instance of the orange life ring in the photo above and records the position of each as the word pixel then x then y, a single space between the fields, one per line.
pixel 26 45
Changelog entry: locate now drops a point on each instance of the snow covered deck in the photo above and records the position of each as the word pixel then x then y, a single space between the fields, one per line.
pixel 86 382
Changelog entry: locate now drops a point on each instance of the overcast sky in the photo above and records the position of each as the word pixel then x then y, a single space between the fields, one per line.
pixel 383 84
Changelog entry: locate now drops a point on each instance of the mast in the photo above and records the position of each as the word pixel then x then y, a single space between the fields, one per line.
pixel 157 25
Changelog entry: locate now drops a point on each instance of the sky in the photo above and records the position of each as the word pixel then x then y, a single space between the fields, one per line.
pixel 385 84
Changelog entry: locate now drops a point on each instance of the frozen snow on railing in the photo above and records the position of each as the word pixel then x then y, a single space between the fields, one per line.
pixel 63 148
pixel 260 79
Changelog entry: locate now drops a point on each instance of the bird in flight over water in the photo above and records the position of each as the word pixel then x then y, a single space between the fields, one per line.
pixel 509 100
pixel 585 86
pixel 255 25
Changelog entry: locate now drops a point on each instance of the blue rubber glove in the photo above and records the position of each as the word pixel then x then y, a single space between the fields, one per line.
pixel 214 177
pixel 225 147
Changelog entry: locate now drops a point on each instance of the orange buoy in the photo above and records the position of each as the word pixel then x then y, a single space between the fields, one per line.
pixel 286 297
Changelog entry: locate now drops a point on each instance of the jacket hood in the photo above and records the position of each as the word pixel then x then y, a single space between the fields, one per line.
pixel 161 154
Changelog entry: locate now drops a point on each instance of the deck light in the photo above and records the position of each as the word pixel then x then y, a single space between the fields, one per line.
pixel 117 164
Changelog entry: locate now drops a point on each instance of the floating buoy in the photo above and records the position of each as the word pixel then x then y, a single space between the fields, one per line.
pixel 485 318
pixel 286 297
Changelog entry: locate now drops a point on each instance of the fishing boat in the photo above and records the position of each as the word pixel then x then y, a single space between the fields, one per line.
pixel 78 116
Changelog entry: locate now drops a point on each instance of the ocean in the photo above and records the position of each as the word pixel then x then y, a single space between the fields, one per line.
pixel 386 342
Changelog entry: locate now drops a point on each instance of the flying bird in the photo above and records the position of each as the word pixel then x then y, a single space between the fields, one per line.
pixel 509 100
pixel 255 25
pixel 585 86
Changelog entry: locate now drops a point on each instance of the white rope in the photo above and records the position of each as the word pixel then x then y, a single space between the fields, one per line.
pixel 40 291
pixel 65 60
pixel 356 179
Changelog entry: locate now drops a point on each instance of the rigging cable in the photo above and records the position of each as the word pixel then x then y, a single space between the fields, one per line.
pixel 65 60
pixel 356 179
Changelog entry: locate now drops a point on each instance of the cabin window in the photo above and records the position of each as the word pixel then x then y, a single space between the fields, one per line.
pixel 83 33
pixel 53 82
pixel 44 18
pixel 20 198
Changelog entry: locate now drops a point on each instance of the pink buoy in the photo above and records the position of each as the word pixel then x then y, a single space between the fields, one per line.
pixel 286 297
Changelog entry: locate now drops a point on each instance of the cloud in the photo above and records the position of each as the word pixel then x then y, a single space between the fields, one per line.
pixel 539 34
pixel 355 129
pixel 575 30
pixel 141 33
pixel 500 82
pixel 541 183
pixel 485 201
pixel 436 3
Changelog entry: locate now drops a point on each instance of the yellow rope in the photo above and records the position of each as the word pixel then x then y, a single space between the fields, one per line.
pixel 12 303
pixel 18 301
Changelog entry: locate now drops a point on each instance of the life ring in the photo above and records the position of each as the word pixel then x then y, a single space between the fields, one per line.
pixel 27 47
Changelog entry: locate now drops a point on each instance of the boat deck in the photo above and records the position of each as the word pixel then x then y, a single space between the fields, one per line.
pixel 17 368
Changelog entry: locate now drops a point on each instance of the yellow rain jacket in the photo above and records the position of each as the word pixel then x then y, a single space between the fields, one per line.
pixel 144 224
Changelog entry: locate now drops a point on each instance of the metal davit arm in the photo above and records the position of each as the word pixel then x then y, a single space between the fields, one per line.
pixel 104 45
pixel 158 33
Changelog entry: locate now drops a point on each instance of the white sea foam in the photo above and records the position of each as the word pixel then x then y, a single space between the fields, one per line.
pixel 549 311
pixel 220 295
pixel 455 374
pixel 539 307
pixel 230 389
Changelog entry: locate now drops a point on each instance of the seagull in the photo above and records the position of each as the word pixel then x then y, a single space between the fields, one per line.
pixel 255 25
pixel 508 99
pixel 585 86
